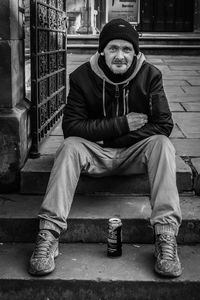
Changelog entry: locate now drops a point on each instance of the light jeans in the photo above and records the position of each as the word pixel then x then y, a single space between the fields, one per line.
pixel 155 155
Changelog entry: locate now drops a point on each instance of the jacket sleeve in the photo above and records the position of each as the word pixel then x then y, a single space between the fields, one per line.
pixel 159 118
pixel 76 120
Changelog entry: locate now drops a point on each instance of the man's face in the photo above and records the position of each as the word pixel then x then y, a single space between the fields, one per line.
pixel 119 55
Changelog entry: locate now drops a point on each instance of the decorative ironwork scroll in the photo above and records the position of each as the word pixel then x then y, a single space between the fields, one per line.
pixel 48 67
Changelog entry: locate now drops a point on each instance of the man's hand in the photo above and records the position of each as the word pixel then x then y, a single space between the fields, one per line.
pixel 136 120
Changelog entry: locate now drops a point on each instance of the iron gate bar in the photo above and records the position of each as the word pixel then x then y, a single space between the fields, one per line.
pixel 48 68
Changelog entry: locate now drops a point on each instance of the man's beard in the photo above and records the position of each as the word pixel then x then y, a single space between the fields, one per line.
pixel 120 62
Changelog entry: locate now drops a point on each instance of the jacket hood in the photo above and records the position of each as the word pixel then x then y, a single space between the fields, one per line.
pixel 99 72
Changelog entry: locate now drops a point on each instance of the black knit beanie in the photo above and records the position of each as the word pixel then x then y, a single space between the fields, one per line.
pixel 118 29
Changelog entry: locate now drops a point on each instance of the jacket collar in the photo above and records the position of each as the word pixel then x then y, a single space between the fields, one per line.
pixel 99 72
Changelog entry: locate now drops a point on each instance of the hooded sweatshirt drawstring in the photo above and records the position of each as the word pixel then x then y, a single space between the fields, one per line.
pixel 99 72
pixel 104 100
pixel 117 99
pixel 117 95
pixel 126 100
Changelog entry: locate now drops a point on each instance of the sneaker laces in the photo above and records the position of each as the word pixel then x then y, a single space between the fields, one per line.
pixel 166 247
pixel 42 246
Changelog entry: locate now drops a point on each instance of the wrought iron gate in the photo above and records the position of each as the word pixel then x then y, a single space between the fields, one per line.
pixel 48 67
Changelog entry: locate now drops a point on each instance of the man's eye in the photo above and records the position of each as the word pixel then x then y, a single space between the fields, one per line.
pixel 127 49
pixel 113 48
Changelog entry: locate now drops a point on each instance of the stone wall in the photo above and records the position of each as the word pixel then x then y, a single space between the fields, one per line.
pixel 14 121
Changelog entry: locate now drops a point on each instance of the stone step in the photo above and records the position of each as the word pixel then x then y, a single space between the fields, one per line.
pixel 144 39
pixel 84 272
pixel 88 218
pixel 35 175
pixel 147 49
pixel 150 43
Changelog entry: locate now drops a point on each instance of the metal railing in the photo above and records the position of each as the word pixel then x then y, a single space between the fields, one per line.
pixel 48 67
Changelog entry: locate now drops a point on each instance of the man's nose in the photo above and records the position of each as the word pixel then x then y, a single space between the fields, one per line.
pixel 120 54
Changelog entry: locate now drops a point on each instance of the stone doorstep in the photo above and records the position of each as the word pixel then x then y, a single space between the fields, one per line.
pixel 84 272
pixel 35 175
pixel 88 218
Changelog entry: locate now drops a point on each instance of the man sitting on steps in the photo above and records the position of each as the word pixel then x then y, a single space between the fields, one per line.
pixel 116 121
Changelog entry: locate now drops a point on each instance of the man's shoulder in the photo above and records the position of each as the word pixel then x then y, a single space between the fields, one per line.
pixel 81 70
pixel 147 66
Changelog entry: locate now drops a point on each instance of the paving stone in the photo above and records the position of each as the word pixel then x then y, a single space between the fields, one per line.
pixel 57 131
pixel 192 90
pixel 176 132
pixel 196 164
pixel 175 106
pixel 194 81
pixel 162 68
pixel 187 147
pixel 180 77
pixel 174 89
pixel 154 60
pixel 84 272
pixel 185 67
pixel 185 98
pixel 189 123
pixel 52 145
pixel 192 107
pixel 180 73
pixel 171 82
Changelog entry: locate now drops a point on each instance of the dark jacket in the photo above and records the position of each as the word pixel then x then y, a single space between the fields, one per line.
pixel 96 107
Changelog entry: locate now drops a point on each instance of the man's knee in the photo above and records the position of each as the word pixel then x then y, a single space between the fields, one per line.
pixel 71 145
pixel 161 142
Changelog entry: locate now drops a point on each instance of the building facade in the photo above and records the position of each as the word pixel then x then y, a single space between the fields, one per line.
pixel 89 16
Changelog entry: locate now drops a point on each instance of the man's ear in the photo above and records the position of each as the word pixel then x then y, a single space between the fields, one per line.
pixel 102 53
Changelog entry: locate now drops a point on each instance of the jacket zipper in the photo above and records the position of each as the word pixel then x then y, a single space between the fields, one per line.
pixel 117 99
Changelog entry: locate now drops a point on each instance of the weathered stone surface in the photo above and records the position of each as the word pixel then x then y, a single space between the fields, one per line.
pixel 14 130
pixel 171 82
pixel 88 218
pixel 192 90
pixel 84 272
pixel 37 171
pixel 11 22
pixel 176 132
pixel 11 73
pixel 187 147
pixel 189 123
pixel 52 145
pixel 194 81
pixel 5 74
pixel 185 67
pixel 179 73
pixel 174 90
pixel 185 98
pixel 192 107
pixel 175 106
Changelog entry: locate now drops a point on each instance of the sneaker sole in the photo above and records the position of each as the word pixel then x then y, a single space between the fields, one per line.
pixel 169 275
pixel 45 272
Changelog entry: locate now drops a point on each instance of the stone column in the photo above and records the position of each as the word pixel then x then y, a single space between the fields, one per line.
pixel 197 16
pixel 87 26
pixel 14 125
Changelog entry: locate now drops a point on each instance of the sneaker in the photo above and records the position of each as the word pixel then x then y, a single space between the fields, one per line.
pixel 167 260
pixel 46 249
